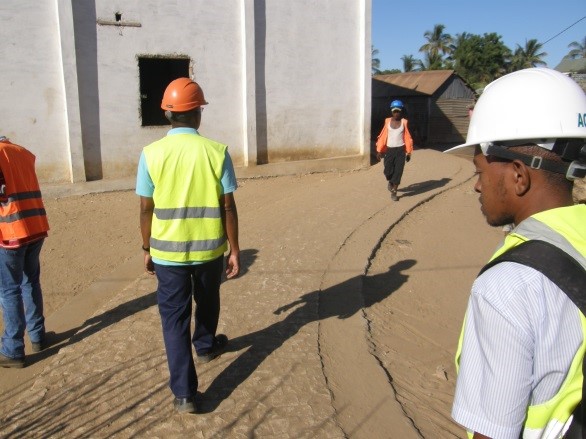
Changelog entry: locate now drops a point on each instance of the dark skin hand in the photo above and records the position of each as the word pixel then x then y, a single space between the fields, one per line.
pixel 380 155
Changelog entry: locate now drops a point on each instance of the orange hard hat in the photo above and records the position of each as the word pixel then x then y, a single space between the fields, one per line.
pixel 182 94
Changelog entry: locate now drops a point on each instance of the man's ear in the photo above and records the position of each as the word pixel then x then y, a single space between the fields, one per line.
pixel 521 177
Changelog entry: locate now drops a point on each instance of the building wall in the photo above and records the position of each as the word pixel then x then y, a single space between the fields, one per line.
pixel 285 80
pixel 448 120
pixel 33 113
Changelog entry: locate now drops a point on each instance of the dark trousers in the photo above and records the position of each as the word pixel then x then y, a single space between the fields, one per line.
pixel 394 163
pixel 177 286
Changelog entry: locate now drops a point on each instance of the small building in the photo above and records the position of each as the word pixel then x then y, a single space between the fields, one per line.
pixel 436 102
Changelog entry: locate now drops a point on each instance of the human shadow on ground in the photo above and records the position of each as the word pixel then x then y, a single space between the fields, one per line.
pixel 91 326
pixel 422 187
pixel 342 301
pixel 100 322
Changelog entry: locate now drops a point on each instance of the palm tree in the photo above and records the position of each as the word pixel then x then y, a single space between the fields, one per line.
pixel 438 42
pixel 409 63
pixel 578 49
pixel 375 61
pixel 458 41
pixel 527 57
pixel 430 62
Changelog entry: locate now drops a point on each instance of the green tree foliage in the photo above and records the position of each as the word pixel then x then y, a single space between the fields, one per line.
pixel 431 61
pixel 409 63
pixel 390 72
pixel 528 56
pixel 480 59
pixel 578 49
pixel 438 43
pixel 375 61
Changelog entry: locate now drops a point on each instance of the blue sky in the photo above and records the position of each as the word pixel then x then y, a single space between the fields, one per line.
pixel 398 26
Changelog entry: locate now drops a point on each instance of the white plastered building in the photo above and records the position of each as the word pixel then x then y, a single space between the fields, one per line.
pixel 288 82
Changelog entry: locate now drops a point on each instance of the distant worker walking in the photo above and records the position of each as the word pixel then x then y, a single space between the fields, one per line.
pixel 394 145
pixel 521 350
pixel 23 229
pixel 187 217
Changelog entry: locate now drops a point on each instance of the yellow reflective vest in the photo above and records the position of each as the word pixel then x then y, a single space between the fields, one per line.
pixel 186 170
pixel 564 227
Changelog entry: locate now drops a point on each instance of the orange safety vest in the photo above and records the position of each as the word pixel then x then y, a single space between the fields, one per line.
pixel 381 140
pixel 22 213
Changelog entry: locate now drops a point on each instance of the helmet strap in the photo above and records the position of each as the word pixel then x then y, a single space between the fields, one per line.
pixel 572 170
pixel 570 149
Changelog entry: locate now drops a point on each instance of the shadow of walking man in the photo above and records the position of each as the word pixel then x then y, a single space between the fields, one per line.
pixel 339 301
pixel 424 186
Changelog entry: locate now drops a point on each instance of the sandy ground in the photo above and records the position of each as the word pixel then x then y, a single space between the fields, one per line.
pixel 414 294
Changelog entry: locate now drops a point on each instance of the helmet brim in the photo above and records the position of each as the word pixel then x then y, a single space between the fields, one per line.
pixel 464 150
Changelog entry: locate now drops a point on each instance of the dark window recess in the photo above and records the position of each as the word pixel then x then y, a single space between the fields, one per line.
pixel 155 75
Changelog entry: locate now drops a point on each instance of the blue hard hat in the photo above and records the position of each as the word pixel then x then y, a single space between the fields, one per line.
pixel 397 104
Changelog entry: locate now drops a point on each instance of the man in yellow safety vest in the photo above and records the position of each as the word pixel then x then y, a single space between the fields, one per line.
pixel 523 340
pixel 187 219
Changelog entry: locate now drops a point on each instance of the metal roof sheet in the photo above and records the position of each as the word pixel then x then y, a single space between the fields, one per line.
pixel 426 82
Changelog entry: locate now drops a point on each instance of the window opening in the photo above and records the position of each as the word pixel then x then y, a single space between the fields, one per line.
pixel 155 74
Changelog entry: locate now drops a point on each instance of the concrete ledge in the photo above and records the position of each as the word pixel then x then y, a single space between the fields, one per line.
pixel 346 163
pixel 61 190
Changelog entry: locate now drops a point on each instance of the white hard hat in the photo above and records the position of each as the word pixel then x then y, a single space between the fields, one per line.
pixel 530 104
pixel 536 105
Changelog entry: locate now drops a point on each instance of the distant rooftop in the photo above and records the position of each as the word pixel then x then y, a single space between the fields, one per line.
pixel 425 82
pixel 568 65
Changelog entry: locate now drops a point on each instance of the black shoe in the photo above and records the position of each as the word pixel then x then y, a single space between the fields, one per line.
pixel 44 343
pixel 218 348
pixel 38 346
pixel 15 363
pixel 394 196
pixel 185 405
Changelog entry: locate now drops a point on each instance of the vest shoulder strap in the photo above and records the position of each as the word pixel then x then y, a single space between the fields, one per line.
pixel 554 263
pixel 564 271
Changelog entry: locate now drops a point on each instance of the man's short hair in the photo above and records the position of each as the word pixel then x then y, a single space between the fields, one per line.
pixel 553 178
pixel 181 117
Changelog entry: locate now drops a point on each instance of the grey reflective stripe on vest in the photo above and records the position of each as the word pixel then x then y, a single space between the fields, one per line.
pixel 187 246
pixel 535 229
pixel 22 215
pixel 187 212
pixel 21 196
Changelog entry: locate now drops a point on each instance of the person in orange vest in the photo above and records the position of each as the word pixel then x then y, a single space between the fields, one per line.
pixel 394 145
pixel 23 229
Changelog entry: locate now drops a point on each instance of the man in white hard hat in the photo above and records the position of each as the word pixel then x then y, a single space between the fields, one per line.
pixel 522 345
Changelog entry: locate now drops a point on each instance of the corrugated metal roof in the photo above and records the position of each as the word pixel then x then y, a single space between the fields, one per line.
pixel 426 82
